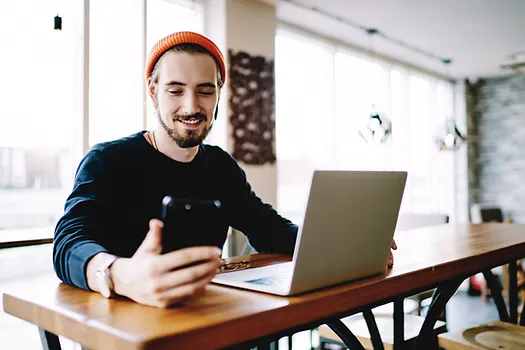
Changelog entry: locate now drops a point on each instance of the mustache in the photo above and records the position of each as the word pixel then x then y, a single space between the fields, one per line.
pixel 198 116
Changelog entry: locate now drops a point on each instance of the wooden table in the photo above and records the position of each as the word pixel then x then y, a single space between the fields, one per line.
pixel 12 238
pixel 428 257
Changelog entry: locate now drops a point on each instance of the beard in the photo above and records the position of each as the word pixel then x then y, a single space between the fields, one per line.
pixel 186 138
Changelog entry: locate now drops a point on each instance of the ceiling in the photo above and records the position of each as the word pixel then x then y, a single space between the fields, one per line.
pixel 478 35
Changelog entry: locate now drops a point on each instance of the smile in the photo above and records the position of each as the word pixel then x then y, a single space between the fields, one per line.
pixel 192 123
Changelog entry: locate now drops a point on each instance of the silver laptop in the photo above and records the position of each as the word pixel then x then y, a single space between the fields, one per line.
pixel 346 234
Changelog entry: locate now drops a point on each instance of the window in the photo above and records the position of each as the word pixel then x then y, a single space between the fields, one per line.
pixel 305 126
pixel 116 62
pixel 359 91
pixel 117 109
pixel 41 112
pixel 39 138
pixel 318 118
pixel 419 134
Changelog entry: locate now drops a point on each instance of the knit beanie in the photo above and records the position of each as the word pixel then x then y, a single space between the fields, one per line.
pixel 177 38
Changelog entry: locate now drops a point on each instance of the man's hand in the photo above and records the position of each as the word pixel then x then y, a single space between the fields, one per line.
pixel 161 280
pixel 391 258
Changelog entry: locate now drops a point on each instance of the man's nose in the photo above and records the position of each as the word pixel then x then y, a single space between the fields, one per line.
pixel 190 104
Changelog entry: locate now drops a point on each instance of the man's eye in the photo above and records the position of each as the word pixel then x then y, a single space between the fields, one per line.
pixel 206 93
pixel 175 92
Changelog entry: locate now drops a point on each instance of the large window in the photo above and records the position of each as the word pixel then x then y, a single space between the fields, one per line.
pixel 325 94
pixel 39 110
pixel 360 91
pixel 41 105
pixel 117 54
pixel 304 123
pixel 116 63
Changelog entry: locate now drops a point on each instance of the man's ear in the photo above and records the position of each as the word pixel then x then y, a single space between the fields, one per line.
pixel 152 91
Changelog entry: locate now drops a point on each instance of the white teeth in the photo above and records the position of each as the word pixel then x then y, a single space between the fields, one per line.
pixel 191 121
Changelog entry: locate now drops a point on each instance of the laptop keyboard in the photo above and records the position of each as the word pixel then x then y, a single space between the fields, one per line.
pixel 281 280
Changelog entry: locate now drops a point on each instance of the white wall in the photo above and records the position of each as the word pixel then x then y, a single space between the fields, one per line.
pixel 251 27
pixel 247 25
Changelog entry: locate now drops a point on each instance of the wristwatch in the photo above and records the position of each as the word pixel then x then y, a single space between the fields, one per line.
pixel 104 280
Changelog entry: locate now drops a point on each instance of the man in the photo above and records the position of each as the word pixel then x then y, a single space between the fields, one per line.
pixel 109 239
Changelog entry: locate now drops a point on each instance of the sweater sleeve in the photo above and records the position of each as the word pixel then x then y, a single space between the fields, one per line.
pixel 75 233
pixel 266 230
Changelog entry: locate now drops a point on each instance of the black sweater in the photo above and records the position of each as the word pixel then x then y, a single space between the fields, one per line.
pixel 119 187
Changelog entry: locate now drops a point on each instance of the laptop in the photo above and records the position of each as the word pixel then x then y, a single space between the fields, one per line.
pixel 346 234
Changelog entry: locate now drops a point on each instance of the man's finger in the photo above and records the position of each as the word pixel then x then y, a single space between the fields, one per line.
pixel 187 275
pixel 186 291
pixel 153 241
pixel 187 256
pixel 394 245
pixel 390 262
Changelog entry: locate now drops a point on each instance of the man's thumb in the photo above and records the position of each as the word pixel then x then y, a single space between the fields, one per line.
pixel 153 241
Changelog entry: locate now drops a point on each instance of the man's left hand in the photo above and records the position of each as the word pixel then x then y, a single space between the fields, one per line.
pixel 391 258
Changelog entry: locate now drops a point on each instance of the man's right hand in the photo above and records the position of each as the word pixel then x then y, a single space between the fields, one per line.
pixel 161 280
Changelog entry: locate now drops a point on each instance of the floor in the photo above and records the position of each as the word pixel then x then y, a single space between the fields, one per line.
pixel 29 266
pixel 465 311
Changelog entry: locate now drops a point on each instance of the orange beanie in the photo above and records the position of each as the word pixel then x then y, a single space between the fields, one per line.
pixel 171 40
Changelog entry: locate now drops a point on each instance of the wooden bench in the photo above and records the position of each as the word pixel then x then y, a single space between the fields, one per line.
pixel 495 335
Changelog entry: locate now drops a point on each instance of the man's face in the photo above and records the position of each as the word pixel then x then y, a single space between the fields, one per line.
pixel 186 96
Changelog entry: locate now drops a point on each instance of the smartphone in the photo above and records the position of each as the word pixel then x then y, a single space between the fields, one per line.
pixel 187 222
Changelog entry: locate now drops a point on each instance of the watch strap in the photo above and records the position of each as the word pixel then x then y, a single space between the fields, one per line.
pixel 104 273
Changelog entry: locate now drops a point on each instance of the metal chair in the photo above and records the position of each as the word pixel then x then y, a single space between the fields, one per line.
pixel 385 320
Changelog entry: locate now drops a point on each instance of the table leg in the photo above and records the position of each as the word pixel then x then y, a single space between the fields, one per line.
pixel 522 317
pixel 271 345
pixel 440 298
pixel 345 334
pixel 513 292
pixel 49 340
pixel 375 336
pixel 399 323
pixel 495 290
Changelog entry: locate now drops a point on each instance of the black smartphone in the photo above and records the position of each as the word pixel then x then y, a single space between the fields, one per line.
pixel 186 221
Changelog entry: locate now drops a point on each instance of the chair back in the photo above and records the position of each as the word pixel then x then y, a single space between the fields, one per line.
pixel 485 213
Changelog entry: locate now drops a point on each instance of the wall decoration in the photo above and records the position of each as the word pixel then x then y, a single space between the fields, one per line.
pixel 252 88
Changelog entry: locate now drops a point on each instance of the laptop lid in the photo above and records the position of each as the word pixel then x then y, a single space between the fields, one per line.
pixel 348 227
pixel 346 234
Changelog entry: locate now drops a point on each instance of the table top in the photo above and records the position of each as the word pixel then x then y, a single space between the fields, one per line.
pixel 11 238
pixel 225 316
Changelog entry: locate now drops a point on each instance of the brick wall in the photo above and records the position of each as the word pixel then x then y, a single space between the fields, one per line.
pixel 496 152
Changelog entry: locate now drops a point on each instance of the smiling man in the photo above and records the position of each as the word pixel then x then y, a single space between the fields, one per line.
pixel 109 238
pixel 184 86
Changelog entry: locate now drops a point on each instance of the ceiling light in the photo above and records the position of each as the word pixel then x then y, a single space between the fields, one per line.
pixel 450 138
pixel 376 130
pixel 58 23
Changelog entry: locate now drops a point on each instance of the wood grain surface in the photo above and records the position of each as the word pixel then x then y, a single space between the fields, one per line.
pixel 226 316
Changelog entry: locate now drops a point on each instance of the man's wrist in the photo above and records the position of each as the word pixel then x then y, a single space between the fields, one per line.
pixel 104 279
pixel 92 267
pixel 117 270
